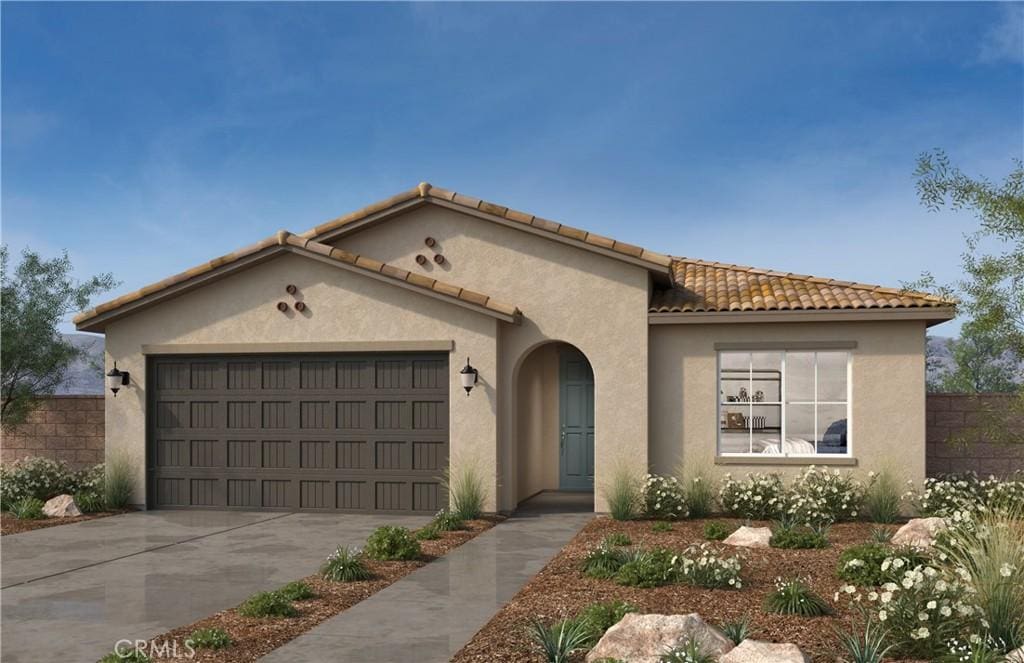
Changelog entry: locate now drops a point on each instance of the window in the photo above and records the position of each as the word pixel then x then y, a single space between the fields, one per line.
pixel 784 403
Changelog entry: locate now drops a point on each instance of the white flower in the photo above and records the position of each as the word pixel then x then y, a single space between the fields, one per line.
pixel 882 615
pixel 1006 570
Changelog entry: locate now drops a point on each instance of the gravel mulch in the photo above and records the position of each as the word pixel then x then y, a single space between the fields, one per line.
pixel 11 525
pixel 560 590
pixel 255 637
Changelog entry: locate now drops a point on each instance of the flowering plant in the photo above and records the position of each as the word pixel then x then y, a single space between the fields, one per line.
pixel 699 565
pixel 759 497
pixel 944 496
pixel 664 497
pixel 43 478
pixel 818 496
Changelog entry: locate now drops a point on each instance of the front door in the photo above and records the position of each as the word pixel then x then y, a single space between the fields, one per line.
pixel 576 447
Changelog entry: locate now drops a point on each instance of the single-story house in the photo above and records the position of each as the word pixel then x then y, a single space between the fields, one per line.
pixel 326 370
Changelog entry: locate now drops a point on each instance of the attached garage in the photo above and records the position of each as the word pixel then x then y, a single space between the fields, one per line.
pixel 317 432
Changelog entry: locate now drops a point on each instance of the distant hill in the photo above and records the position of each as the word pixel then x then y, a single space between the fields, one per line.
pixel 85 375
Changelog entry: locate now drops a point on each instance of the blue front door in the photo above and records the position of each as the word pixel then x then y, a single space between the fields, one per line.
pixel 576 407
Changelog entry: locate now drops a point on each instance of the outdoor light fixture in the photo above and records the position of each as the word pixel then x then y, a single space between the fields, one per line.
pixel 469 377
pixel 117 379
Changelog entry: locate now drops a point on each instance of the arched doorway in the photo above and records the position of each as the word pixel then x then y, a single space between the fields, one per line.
pixel 554 444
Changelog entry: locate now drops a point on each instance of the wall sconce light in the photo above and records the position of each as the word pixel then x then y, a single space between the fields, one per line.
pixel 117 379
pixel 469 376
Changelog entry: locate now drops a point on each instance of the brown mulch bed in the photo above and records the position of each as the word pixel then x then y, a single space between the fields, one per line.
pixel 255 637
pixel 560 590
pixel 11 525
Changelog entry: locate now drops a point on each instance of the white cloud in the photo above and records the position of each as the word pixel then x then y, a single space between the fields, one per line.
pixel 1004 41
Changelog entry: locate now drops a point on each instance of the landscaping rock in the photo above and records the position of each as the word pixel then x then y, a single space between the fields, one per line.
pixel 62 506
pixel 645 638
pixel 919 532
pixel 755 651
pixel 750 537
pixel 1016 656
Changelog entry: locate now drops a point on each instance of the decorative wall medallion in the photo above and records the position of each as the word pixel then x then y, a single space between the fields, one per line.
pixel 430 241
pixel 291 289
pixel 421 259
pixel 300 306
pixel 439 259
pixel 282 306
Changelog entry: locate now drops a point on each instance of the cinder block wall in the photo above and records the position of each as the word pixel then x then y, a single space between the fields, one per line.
pixel 68 428
pixel 948 415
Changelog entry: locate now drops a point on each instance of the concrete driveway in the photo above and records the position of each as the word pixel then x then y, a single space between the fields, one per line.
pixel 70 592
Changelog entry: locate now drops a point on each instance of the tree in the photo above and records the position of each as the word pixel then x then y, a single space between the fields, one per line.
pixel 33 301
pixel 988 355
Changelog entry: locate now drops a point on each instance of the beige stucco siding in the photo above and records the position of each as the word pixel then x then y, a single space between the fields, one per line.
pixel 887 423
pixel 342 307
pixel 596 303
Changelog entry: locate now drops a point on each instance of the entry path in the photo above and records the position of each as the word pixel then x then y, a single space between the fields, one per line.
pixel 433 612
pixel 70 592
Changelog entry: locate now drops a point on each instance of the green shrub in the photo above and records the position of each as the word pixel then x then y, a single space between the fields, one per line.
pixel 605 561
pixel 428 533
pixel 883 499
pixel 700 495
pixel 864 564
pixel 128 656
pixel 818 496
pixel 867 645
pixel 90 502
pixel 297 591
pixel 41 478
pixel 648 568
pixel 717 531
pixel 661 526
pixel 557 642
pixel 944 496
pixel 390 543
pixel 599 617
pixel 27 508
pixel 690 651
pixel 988 550
pixel 664 498
pixel 618 539
pixel 701 566
pixel 880 535
pixel 446 521
pixel 267 604
pixel 209 638
pixel 467 491
pixel 623 494
pixel 759 497
pixel 345 565
pixel 119 481
pixel 737 630
pixel 794 597
pixel 797 537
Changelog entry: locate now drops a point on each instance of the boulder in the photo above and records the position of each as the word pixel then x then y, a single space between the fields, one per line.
pixel 755 651
pixel 750 537
pixel 62 506
pixel 918 532
pixel 1016 656
pixel 645 638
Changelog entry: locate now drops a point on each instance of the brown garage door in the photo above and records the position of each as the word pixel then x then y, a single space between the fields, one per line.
pixel 290 432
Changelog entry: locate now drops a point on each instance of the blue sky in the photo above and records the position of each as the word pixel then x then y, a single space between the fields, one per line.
pixel 150 137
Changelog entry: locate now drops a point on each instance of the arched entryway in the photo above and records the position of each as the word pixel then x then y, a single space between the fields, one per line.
pixel 554 445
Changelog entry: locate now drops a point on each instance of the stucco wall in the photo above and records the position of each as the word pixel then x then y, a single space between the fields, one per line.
pixel 537 450
pixel 887 427
pixel 595 303
pixel 342 306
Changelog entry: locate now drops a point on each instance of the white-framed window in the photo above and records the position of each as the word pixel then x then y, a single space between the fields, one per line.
pixel 784 402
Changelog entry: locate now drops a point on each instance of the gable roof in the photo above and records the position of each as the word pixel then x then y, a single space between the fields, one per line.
pixel 426 193
pixel 700 286
pixel 96 318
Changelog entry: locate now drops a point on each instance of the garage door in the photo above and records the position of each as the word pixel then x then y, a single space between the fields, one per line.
pixel 289 432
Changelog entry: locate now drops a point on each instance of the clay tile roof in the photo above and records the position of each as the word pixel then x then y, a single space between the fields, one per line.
pixel 428 193
pixel 284 240
pixel 700 286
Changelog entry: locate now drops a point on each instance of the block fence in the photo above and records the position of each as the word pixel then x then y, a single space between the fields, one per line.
pixel 68 428
pixel 952 415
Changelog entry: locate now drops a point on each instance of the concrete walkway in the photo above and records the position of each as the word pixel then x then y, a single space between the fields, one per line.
pixel 432 613
pixel 71 592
